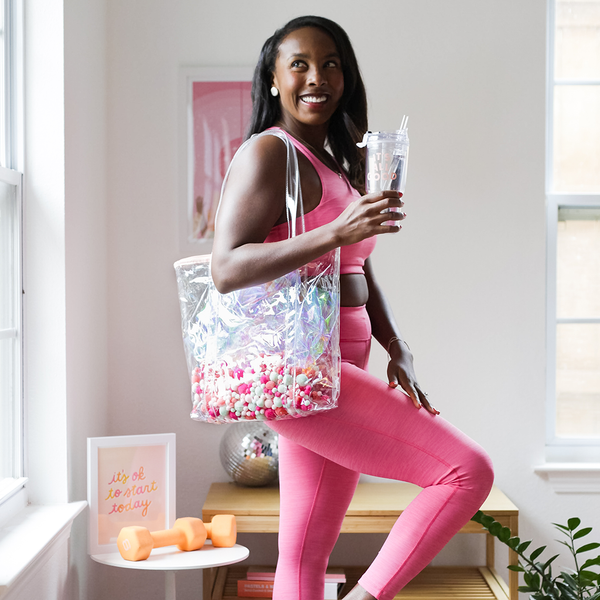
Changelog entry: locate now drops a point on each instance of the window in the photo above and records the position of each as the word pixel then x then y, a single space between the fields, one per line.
pixel 11 355
pixel 573 187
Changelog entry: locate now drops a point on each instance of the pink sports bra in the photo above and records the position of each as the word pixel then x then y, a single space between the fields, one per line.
pixel 337 193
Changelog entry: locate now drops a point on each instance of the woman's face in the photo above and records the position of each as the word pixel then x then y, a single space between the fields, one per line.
pixel 308 75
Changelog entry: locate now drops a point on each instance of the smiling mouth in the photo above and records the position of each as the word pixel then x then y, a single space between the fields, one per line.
pixel 314 99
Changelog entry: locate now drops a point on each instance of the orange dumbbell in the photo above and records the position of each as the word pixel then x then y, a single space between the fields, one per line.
pixel 190 533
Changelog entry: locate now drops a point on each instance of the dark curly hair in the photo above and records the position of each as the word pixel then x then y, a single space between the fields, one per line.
pixel 349 122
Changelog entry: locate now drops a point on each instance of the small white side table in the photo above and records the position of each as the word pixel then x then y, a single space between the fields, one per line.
pixel 170 559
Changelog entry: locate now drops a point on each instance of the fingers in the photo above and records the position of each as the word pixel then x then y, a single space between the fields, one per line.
pixel 391 196
pixel 373 214
pixel 418 397
pixel 425 402
pixel 413 396
pixel 391 215
pixel 386 207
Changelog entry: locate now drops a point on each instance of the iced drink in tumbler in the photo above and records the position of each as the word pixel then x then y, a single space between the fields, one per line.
pixel 387 160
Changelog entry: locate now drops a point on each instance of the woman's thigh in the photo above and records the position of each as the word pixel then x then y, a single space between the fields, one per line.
pixel 378 431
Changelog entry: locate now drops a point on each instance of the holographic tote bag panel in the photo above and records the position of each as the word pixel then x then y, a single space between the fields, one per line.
pixel 266 352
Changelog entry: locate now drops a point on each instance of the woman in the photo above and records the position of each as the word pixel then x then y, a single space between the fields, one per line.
pixel 307 83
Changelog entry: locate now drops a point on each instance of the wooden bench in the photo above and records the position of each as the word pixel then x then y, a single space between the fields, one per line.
pixel 374 509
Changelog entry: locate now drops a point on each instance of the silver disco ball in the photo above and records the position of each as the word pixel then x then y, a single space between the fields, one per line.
pixel 250 454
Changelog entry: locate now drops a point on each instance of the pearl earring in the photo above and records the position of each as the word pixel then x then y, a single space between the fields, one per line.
pixel 274 92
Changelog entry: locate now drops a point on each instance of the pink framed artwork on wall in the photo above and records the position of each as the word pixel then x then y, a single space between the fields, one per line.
pixel 218 109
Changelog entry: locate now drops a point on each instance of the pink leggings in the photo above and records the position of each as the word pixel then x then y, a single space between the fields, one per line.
pixel 375 430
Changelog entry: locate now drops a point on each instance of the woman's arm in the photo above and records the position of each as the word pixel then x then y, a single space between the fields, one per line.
pixel 253 202
pixel 385 330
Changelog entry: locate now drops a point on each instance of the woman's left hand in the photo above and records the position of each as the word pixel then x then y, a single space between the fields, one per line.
pixel 401 372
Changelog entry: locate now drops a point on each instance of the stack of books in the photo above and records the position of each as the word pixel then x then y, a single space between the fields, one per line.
pixel 259 584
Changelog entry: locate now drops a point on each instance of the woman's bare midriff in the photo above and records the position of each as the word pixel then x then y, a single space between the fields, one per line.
pixel 354 290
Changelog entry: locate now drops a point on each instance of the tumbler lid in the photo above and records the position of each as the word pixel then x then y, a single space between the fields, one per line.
pixel 377 137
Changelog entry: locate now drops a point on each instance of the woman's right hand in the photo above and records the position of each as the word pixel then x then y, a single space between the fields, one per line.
pixel 364 217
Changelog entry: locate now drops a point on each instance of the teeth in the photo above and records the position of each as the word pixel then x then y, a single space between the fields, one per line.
pixel 314 99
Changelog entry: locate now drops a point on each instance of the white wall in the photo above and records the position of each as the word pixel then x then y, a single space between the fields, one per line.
pixel 465 276
pixel 85 91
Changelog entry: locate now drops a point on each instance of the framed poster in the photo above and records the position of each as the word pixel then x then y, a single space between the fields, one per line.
pixel 131 481
pixel 216 108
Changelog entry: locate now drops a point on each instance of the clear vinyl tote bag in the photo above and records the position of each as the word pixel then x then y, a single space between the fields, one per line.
pixel 269 351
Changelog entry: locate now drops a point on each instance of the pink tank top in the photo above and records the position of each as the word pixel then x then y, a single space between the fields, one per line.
pixel 337 193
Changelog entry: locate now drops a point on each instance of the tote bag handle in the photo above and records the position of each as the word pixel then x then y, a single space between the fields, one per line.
pixel 293 189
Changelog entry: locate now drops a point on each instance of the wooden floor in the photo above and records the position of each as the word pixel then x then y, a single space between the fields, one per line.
pixel 434 583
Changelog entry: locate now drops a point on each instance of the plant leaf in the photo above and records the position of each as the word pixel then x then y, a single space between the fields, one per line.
pixel 513 543
pixel 573 523
pixel 518 568
pixel 563 527
pixel 588 547
pixel 486 521
pixel 590 562
pixel 495 528
pixel 566 591
pixel 522 547
pixel 569 580
pixel 582 532
pixel 550 561
pixel 536 553
pixel 588 576
pixel 504 535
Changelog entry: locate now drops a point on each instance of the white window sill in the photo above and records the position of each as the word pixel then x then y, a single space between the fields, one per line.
pixel 572 478
pixel 30 537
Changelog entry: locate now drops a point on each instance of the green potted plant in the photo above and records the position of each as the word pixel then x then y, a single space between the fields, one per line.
pixel 580 583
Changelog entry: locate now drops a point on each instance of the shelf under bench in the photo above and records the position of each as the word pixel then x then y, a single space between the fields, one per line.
pixel 374 509
pixel 434 583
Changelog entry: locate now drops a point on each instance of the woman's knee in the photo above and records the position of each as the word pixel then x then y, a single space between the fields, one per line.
pixel 481 470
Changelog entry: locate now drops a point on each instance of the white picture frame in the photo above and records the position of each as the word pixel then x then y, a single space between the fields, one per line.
pixel 222 138
pixel 131 481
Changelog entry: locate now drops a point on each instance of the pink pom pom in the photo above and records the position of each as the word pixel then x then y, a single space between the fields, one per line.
pixel 264 379
pixel 270 414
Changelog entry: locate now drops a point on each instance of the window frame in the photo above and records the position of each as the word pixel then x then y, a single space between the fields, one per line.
pixel 559 449
pixel 11 173
pixel 8 485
